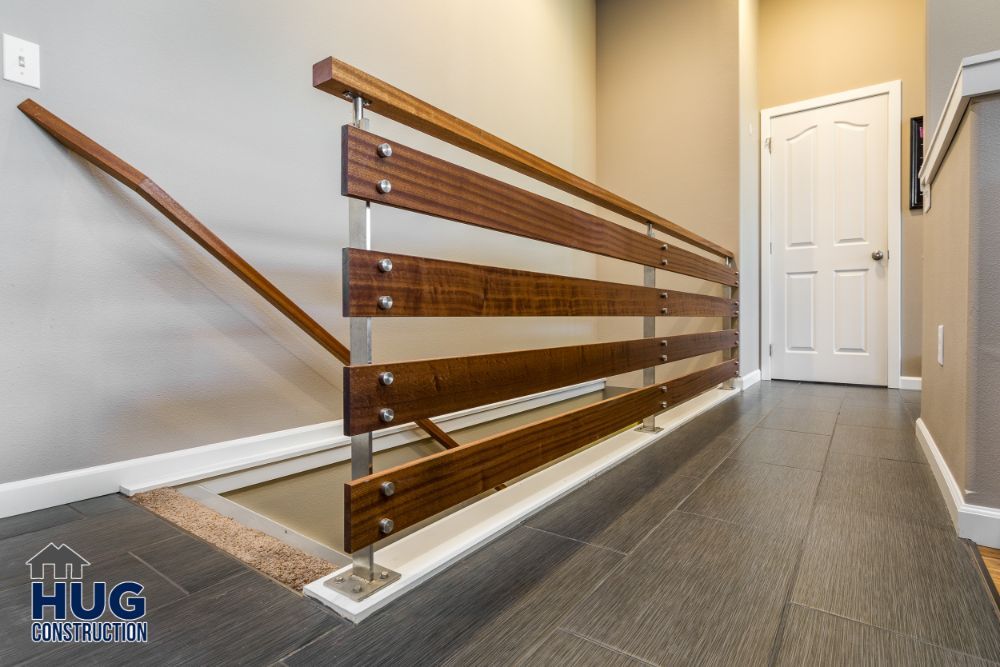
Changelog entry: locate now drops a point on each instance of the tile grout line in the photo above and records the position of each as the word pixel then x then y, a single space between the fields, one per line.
pixel 179 587
pixel 897 633
pixel 606 645
pixel 573 539
pixel 793 579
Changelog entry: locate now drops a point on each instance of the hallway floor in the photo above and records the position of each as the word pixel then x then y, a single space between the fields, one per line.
pixel 794 524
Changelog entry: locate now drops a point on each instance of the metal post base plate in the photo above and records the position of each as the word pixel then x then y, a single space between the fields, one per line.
pixel 649 429
pixel 357 588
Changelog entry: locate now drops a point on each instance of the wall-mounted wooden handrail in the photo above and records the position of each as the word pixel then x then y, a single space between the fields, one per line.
pixel 338 78
pixel 434 483
pixel 135 180
pixel 430 185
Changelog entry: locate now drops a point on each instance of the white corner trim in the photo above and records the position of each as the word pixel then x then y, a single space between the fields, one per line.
pixel 421 555
pixel 910 383
pixel 893 91
pixel 308 446
pixel 977 75
pixel 748 380
pixel 975 522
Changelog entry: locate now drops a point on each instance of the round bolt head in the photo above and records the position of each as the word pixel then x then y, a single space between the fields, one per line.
pixel 388 488
pixel 663 311
pixel 663 262
pixel 663 247
pixel 663 389
pixel 386 526
pixel 663 357
pixel 384 150
pixel 384 574
pixel 663 404
pixel 339 579
pixel 663 295
pixel 385 265
pixel 663 343
pixel 385 302
pixel 386 415
pixel 386 378
pixel 384 186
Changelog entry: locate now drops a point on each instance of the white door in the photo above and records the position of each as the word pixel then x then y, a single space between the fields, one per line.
pixel 829 232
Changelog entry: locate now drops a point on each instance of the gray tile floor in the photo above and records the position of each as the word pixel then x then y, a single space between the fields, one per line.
pixel 795 524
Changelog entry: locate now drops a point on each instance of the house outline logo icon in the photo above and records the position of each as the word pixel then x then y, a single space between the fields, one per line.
pixel 65 562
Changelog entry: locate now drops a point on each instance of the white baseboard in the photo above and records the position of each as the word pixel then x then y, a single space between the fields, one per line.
pixel 748 380
pixel 421 555
pixel 298 449
pixel 911 383
pixel 975 522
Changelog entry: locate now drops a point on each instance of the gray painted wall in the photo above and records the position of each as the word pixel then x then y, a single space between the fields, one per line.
pixel 121 337
pixel 955 29
pixel 982 484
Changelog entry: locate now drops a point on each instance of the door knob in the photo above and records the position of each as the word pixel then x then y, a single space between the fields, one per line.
pixel 877 255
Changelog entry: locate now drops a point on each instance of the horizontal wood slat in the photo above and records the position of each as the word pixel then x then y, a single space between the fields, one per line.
pixel 432 387
pixel 426 184
pixel 337 78
pixel 439 481
pixel 421 287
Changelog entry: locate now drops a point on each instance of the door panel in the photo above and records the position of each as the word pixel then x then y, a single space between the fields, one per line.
pixel 829 213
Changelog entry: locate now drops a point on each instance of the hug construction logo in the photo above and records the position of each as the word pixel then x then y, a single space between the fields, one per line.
pixel 65 608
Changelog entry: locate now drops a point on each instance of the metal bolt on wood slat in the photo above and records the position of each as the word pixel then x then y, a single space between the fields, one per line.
pixel 384 150
pixel 385 302
pixel 384 186
pixel 385 265
pixel 386 415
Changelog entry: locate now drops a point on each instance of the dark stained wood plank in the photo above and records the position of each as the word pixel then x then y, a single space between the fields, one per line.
pixel 433 387
pixel 337 78
pixel 434 483
pixel 135 180
pixel 426 184
pixel 422 287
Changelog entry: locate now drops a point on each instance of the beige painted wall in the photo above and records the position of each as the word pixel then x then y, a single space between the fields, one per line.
pixel 667 133
pixel 121 338
pixel 946 293
pixel 810 48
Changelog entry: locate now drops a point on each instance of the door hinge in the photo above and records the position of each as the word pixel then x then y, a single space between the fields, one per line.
pixel 767 144
pixel 771 247
pixel 770 350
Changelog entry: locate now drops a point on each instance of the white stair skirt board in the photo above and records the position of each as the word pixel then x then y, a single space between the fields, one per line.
pixel 910 383
pixel 975 522
pixel 421 555
pixel 300 449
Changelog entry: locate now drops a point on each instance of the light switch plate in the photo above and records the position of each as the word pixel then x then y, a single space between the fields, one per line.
pixel 21 62
pixel 940 346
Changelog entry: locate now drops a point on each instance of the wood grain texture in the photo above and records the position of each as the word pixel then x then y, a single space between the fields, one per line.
pixel 337 78
pixel 434 483
pixel 135 180
pixel 426 184
pixel 422 287
pixel 433 387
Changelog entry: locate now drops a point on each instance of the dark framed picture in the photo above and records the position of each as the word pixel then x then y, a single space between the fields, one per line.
pixel 916 161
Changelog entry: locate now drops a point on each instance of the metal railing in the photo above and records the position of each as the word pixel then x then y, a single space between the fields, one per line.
pixel 381 284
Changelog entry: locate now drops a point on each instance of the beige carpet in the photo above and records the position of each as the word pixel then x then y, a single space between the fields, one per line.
pixel 262 552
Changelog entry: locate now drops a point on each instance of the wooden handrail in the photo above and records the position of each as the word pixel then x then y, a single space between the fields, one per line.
pixel 339 79
pixel 135 180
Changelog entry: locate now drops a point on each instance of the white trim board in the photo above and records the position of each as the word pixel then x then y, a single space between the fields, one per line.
pixel 423 554
pixel 977 75
pixel 298 449
pixel 894 90
pixel 910 383
pixel 975 522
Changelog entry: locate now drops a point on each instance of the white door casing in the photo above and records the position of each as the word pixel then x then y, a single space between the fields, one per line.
pixel 830 198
